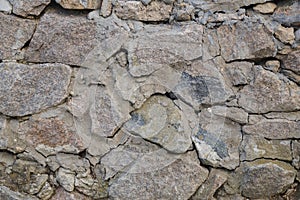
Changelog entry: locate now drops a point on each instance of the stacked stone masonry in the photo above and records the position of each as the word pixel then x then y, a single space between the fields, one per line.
pixel 150 99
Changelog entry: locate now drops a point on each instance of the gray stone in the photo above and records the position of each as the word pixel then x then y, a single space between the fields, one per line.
pixel 79 4
pixel 296 154
pixel 291 76
pixel 232 113
pixel 15 32
pixel 275 177
pixel 46 192
pixel 60 194
pixel 6 158
pixel 27 89
pixel 5 6
pixel 254 147
pixel 217 140
pixel 136 10
pixel 66 178
pixel 106 8
pixel 256 43
pixel 268 93
pixel 239 73
pixel 29 7
pixel 292 116
pixel 274 129
pixel 73 162
pixel 287 13
pixel 184 175
pixel 211 46
pixel 208 189
pixel 292 62
pixel 37 183
pixel 272 65
pixel 7 194
pixel 297 35
pixel 160 121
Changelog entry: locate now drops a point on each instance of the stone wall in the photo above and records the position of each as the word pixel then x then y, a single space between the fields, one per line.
pixel 150 99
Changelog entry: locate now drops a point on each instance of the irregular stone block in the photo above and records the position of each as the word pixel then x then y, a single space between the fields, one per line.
pixel 296 154
pixel 232 113
pixel 292 116
pixel 292 62
pixel 136 10
pixel 218 140
pixel 254 147
pixel 29 7
pixel 66 179
pixel 27 89
pixel 266 8
pixel 73 162
pixel 46 191
pixel 268 93
pixel 274 129
pixel 246 40
pixel 272 65
pixel 96 189
pixel 287 13
pixel 285 35
pixel 274 178
pixel 239 73
pixel 79 4
pixel 211 46
pixel 184 176
pixel 106 8
pixel 15 32
pixel 60 193
pixel 160 121
pixel 5 6
pixel 6 193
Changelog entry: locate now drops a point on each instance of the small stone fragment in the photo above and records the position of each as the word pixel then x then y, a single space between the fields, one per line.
pixel 136 10
pixel 272 65
pixel 106 8
pixel 73 162
pixel 254 147
pixel 27 89
pixel 285 35
pixel 37 182
pixel 60 194
pixel 66 178
pixel 232 113
pixel 46 192
pixel 5 6
pixel 29 7
pixel 79 4
pixel 266 8
pixel 274 178
pixel 95 188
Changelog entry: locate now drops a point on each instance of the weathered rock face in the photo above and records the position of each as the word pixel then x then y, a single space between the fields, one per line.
pixel 43 85
pixel 150 99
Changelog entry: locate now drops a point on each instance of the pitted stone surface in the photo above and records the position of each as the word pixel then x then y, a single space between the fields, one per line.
pixel 29 7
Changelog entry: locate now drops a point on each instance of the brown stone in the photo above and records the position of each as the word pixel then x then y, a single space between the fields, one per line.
pixel 265 8
pixel 29 7
pixel 285 35
pixel 79 4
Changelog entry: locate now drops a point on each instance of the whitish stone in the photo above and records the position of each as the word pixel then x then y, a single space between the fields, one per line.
pixel 184 175
pixel 239 73
pixel 269 93
pixel 256 43
pixel 254 147
pixel 296 153
pixel 27 89
pixel 217 140
pixel 5 6
pixel 274 129
pixel 285 35
pixel 232 113
pixel 66 178
pixel 272 65
pixel 79 4
pixel 29 7
pixel 136 10
pixel 274 178
pixel 208 189
pixel 6 193
pixel 292 62
pixel 15 32
pixel 266 8
pixel 106 8
pixel 160 121
pixel 154 47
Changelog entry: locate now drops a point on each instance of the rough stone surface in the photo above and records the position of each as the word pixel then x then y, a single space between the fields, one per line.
pixel 254 147
pixel 265 8
pixel 285 35
pixel 247 40
pixel 275 177
pixel 79 4
pixel 7 194
pixel 60 193
pixel 184 176
pixel 5 6
pixel 32 83
pixel 66 178
pixel 15 32
pixel 296 155
pixel 29 7
pixel 288 13
pixel 272 65
pixel 292 62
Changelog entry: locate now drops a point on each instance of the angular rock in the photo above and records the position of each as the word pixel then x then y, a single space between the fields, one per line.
pixel 27 89
pixel 292 62
pixel 297 35
pixel 296 154
pixel 239 73
pixel 272 65
pixel 136 10
pixel 268 93
pixel 73 162
pixel 60 193
pixel 287 13
pixel 211 46
pixel 291 76
pixel 285 35
pixel 256 41
pixel 254 147
pixel 5 6
pixel 161 122
pixel 232 113
pixel 274 129
pixel 79 4
pixel 106 8
pixel 184 175
pixel 292 116
pixel 183 12
pixel 217 140
pixel 6 158
pixel 66 179
pixel 274 178
pixel 37 183
pixel 29 7
pixel 15 32
pixel 46 192
pixel 7 194
pixel 208 189
pixel 266 8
